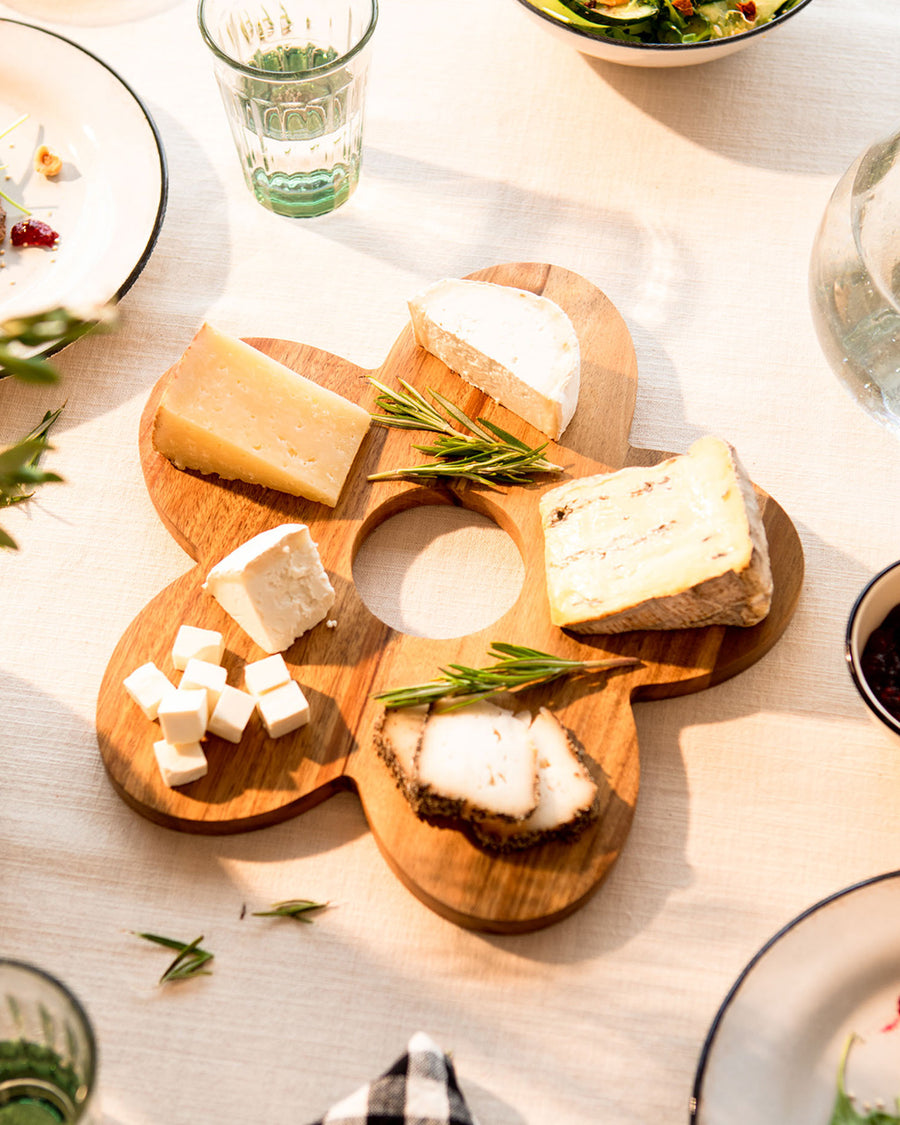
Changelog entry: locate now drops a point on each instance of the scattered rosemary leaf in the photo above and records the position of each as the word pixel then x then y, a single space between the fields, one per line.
pixel 189 961
pixel 515 667
pixel 486 455
pixel 297 908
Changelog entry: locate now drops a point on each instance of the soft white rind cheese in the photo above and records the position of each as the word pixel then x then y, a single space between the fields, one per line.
pixel 274 586
pixel 517 347
pixel 229 409
pixel 676 546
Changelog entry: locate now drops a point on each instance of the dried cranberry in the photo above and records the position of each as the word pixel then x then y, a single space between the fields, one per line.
pixel 32 232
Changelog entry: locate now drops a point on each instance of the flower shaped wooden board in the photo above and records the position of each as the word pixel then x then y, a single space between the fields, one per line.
pixel 264 781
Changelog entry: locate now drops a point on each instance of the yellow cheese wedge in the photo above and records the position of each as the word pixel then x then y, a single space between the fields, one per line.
pixel 230 410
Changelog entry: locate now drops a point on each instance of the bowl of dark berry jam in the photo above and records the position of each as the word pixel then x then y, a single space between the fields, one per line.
pixel 873 647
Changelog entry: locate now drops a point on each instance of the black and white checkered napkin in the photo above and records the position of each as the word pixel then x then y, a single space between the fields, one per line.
pixel 419 1089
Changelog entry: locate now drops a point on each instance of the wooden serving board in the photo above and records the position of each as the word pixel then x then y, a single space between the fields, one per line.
pixel 264 781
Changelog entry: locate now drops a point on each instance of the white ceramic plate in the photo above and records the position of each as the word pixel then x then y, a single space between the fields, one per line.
pixel 772 1053
pixel 579 33
pixel 107 203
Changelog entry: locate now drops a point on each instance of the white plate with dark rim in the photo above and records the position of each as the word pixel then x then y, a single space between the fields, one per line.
pixel 108 202
pixel 772 1053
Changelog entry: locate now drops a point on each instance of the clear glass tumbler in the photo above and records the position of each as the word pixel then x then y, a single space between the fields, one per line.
pixel 293 81
pixel 854 280
pixel 48 1056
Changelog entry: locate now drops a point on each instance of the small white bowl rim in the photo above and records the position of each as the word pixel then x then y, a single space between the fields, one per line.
pixel 664 48
pixel 853 657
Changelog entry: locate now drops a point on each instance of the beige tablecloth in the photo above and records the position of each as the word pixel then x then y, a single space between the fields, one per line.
pixel 690 197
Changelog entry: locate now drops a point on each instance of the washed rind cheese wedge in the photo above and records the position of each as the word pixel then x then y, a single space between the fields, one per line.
pixel 677 546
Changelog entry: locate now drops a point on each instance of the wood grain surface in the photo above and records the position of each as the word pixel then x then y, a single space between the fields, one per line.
pixel 264 781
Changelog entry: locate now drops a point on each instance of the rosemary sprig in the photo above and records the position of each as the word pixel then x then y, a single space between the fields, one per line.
pixel 297 908
pixel 3 195
pixel 189 961
pixel 486 454
pixel 515 667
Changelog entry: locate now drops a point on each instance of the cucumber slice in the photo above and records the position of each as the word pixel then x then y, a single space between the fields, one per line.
pixel 614 15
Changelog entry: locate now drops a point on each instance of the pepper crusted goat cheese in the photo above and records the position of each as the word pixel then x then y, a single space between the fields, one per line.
pixel 274 586
pixel 676 546
pixel 517 347
pixel 229 409
pixel 487 766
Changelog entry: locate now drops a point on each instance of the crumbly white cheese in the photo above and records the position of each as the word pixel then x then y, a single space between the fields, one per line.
pixel 676 546
pixel 233 710
pixel 517 347
pixel 283 709
pixel 180 764
pixel 274 586
pixel 263 675
pixel 183 714
pixel 147 685
pixel 210 677
pixel 229 409
pixel 191 641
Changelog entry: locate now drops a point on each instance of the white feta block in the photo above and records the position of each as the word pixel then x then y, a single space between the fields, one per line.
pixel 232 713
pixel 183 714
pixel 274 586
pixel 191 641
pixel 264 675
pixel 146 686
pixel 210 677
pixel 180 764
pixel 283 709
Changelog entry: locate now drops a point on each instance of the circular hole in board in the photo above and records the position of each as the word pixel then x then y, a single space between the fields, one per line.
pixel 437 571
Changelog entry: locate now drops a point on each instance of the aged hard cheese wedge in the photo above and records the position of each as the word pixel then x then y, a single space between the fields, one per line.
pixel 274 586
pixel 519 348
pixel 513 780
pixel 231 410
pixel 676 546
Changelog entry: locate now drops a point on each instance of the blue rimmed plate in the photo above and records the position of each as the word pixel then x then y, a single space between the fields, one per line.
pixel 773 1050
pixel 108 202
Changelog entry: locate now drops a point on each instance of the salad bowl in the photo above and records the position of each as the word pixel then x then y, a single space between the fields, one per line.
pixel 630 32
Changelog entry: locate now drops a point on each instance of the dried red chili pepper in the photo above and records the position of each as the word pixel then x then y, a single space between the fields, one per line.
pixel 747 8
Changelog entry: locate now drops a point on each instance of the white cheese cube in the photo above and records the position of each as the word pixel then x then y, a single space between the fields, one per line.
pixel 183 714
pixel 230 409
pixel 283 709
pixel 232 713
pixel 274 586
pixel 519 348
pixel 264 675
pixel 180 764
pixel 204 644
pixel 146 686
pixel 210 677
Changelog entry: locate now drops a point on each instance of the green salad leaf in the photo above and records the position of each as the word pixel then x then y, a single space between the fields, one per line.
pixel 845 1111
pixel 672 21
